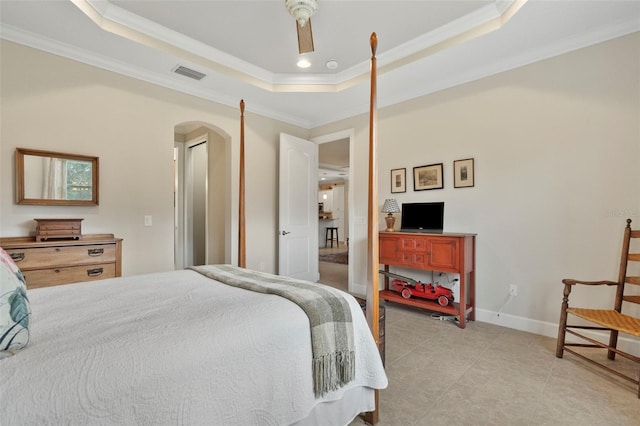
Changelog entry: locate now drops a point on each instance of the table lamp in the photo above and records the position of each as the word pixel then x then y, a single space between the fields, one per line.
pixel 390 206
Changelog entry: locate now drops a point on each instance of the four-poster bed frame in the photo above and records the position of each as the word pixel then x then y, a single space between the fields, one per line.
pixel 373 306
pixel 373 286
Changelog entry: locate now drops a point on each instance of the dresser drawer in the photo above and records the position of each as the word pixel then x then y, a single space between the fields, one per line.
pixel 55 276
pixel 43 257
pixel 413 259
pixel 416 244
pixel 63 261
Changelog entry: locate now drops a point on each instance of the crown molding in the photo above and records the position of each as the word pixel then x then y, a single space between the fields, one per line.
pixel 36 41
pixel 126 24
pixel 464 76
pixel 559 47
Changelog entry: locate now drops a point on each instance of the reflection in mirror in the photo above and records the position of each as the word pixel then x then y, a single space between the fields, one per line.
pixel 54 178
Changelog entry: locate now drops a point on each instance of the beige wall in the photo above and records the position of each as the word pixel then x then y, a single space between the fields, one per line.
pixel 53 103
pixel 556 147
pixel 557 159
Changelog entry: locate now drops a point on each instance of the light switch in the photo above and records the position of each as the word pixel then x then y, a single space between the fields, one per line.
pixel 147 220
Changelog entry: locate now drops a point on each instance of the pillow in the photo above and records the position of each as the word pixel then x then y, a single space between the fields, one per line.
pixel 14 307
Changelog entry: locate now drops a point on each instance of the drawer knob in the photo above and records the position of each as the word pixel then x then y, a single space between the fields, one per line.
pixel 95 251
pixel 95 272
pixel 17 257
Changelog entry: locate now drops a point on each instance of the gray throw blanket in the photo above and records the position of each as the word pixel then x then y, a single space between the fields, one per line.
pixel 332 341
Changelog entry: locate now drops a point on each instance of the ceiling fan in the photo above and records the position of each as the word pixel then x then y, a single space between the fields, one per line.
pixel 302 11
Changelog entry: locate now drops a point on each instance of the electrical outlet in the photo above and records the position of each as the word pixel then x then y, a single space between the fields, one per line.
pixel 262 266
pixel 513 290
pixel 148 220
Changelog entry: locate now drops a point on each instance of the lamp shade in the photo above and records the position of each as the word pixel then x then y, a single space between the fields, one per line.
pixel 390 206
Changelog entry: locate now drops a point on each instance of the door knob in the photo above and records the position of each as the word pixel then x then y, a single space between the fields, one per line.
pixel 285 232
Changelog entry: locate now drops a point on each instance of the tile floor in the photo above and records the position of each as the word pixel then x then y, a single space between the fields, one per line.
pixel 490 375
pixel 334 274
pixel 440 374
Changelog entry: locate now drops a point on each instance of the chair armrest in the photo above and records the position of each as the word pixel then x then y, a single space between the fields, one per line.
pixel 569 281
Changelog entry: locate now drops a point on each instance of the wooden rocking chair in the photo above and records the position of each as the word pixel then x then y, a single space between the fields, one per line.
pixel 611 320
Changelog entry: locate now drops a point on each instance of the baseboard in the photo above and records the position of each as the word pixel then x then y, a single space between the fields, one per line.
pixel 359 290
pixel 548 329
pixel 529 325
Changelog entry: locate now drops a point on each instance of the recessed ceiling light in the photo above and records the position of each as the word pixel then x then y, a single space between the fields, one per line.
pixel 332 64
pixel 303 63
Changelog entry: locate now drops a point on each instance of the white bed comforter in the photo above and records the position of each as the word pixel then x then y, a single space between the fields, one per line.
pixel 173 348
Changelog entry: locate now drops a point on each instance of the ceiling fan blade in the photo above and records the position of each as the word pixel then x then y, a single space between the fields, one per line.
pixel 305 37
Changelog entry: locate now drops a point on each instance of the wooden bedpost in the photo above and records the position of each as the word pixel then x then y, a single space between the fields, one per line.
pixel 242 255
pixel 373 307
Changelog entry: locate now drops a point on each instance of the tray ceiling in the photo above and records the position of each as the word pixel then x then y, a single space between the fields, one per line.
pixel 248 49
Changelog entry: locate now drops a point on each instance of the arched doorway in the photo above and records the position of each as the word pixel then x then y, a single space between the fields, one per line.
pixel 202 200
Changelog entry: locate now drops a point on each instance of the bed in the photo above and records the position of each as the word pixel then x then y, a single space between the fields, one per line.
pixel 175 348
pixel 215 345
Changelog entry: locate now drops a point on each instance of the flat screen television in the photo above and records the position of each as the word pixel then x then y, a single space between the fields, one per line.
pixel 422 217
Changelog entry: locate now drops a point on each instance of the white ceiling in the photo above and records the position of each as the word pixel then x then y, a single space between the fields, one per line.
pixel 248 49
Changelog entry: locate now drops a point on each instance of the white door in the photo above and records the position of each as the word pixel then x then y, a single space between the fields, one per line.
pixel 298 208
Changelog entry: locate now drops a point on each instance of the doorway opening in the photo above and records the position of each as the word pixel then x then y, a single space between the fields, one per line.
pixel 334 208
pixel 202 199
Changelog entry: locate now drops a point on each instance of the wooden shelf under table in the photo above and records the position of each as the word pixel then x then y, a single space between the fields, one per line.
pixel 454 309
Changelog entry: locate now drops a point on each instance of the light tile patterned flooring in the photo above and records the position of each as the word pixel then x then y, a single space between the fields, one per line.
pixel 490 375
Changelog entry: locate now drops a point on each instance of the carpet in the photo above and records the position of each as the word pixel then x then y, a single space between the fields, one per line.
pixel 342 258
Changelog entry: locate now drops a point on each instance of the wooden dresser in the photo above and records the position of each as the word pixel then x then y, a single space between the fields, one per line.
pixel 55 262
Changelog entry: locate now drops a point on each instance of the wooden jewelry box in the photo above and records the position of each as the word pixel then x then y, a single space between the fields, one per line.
pixel 58 229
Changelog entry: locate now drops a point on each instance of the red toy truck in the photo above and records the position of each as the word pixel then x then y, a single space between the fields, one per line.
pixel 408 287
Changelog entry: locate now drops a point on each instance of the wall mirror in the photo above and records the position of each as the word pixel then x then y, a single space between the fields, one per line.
pixel 55 178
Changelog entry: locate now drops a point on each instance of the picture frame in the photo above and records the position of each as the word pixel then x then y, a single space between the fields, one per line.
pixel 463 173
pixel 428 177
pixel 398 180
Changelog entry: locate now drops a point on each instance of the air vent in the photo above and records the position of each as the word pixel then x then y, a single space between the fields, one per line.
pixel 188 72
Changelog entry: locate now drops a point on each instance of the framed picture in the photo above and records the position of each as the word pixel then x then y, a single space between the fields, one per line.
pixel 428 177
pixel 463 173
pixel 398 180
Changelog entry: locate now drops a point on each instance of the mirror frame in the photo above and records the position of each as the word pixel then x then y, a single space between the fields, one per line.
pixel 20 195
